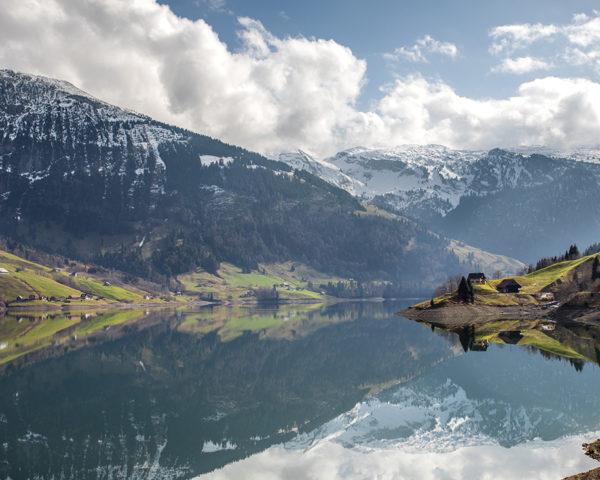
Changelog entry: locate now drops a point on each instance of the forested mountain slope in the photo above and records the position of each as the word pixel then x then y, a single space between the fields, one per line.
pixel 93 181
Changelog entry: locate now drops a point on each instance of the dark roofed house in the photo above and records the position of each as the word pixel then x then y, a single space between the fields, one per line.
pixel 508 285
pixel 476 278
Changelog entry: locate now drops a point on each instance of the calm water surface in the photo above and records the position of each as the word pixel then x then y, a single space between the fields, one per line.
pixel 342 391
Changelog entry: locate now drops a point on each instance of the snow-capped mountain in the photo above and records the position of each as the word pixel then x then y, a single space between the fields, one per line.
pixel 408 175
pixel 417 178
pixel 439 185
pixel 76 132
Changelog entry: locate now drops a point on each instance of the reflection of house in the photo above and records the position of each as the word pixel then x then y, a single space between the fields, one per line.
pixel 476 278
pixel 480 345
pixel 508 285
pixel 511 337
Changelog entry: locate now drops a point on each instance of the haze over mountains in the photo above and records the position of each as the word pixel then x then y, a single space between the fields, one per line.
pixel 516 202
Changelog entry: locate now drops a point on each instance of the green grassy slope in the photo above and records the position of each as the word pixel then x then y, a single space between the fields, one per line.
pixel 536 281
pixel 26 278
pixel 230 282
pixel 561 279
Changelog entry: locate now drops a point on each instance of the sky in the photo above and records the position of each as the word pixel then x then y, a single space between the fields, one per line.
pixel 278 75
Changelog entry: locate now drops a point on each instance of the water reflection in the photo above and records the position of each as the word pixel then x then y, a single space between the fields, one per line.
pixel 576 343
pixel 172 394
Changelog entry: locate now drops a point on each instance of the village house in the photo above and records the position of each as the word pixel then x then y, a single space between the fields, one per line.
pixel 477 278
pixel 508 285
pixel 4 271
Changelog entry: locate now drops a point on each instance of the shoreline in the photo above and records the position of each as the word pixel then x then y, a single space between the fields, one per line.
pixel 66 307
pixel 461 315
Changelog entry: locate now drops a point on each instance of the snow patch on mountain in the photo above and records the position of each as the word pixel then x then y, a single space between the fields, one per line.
pixel 425 181
pixel 60 116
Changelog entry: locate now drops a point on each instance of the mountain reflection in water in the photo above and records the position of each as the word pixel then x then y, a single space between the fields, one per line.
pixel 175 394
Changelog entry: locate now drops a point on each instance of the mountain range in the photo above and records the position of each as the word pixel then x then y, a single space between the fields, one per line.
pixel 96 182
pixel 93 181
pixel 516 202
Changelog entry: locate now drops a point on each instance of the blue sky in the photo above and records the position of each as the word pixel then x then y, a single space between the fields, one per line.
pixel 374 28
pixel 325 76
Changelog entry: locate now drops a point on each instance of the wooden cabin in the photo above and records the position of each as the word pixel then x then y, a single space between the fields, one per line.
pixel 508 285
pixel 477 278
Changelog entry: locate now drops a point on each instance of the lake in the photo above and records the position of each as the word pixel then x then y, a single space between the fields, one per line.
pixel 349 390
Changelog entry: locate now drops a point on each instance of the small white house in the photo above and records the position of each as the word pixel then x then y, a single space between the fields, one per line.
pixel 4 271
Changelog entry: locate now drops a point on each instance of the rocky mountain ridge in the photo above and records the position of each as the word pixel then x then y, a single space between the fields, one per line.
pixel 465 194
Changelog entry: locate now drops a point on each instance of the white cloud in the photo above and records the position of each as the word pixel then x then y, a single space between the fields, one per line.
pixel 521 65
pixel 549 111
pixel 274 93
pixel 217 5
pixel 576 43
pixel 584 31
pixel 420 50
pixel 508 38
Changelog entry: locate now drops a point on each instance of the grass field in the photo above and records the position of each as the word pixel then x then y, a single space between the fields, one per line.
pixel 112 292
pixel 27 278
pixel 231 282
pixel 534 282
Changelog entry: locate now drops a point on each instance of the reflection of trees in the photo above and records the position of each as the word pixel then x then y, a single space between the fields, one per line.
pixel 466 336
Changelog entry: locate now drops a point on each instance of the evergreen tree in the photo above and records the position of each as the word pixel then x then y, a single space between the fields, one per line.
pixel 596 269
pixel 463 291
pixel 471 292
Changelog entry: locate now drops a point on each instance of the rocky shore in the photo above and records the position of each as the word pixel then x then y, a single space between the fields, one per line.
pixel 593 451
pixel 461 315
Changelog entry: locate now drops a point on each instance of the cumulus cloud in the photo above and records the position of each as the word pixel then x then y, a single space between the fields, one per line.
pixel 521 65
pixel 549 111
pixel 420 50
pixel 275 93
